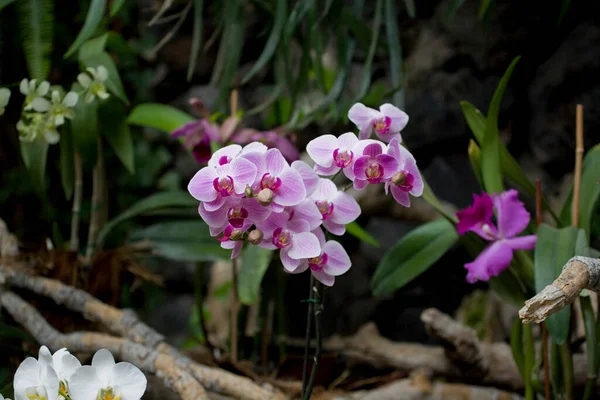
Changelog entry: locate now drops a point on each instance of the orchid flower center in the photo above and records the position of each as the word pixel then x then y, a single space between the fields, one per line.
pixel 404 180
pixel 269 181
pixel 374 172
pixel 36 393
pixel 62 389
pixel 231 233
pixel 224 160
pixel 342 158
pixel 224 186
pixel 382 125
pixel 325 207
pixel 488 230
pixel 282 238
pixel 317 263
pixel 236 216
pixel 108 394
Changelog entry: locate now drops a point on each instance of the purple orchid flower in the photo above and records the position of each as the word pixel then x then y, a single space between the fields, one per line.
pixel 333 261
pixel 308 211
pixel 512 219
pixel 213 185
pixel 309 176
pixel 387 122
pixel 373 166
pixel 197 136
pixel 337 208
pixel 407 179
pixel 292 236
pixel 236 211
pixel 271 139
pixel 331 154
pixel 229 242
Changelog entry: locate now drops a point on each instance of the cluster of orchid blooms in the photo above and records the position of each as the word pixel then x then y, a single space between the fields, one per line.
pixel 253 194
pixel 60 376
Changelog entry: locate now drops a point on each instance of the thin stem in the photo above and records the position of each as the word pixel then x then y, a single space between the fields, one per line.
pixel 318 307
pixel 97 203
pixel 234 313
pixel 309 318
pixel 77 195
pixel 199 297
pixel 578 164
pixel 566 359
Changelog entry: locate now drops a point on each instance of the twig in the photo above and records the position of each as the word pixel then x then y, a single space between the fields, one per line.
pixel 174 374
pixel 578 164
pixel 309 317
pixel 97 204
pixel 546 366
pixel 172 32
pixel 235 307
pixel 77 194
pixel 318 307
pixel 163 8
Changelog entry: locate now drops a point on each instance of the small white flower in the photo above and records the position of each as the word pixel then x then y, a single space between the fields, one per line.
pixel 94 85
pixel 59 108
pixel 35 380
pixel 105 380
pixel 64 364
pixel 38 125
pixel 30 91
pixel 4 97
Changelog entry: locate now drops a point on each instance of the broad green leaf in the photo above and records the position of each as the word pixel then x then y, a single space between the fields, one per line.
pixel 272 42
pixel 116 7
pixel 475 158
pixel 553 249
pixel 182 240
pixel 357 231
pixel 410 8
pixel 395 51
pixel 84 127
pixel 589 323
pixel 412 255
pixel 34 157
pixel 4 3
pixel 367 66
pixel 114 127
pixel 196 37
pixel 67 163
pixel 509 287
pixel 490 148
pixel 149 204
pixel 158 116
pixel 91 23
pixel 92 47
pixel 36 18
pixel 113 83
pixel 516 345
pixel 255 261
pixel 483 8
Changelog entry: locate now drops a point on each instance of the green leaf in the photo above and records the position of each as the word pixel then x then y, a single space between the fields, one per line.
pixel 475 158
pixel 410 8
pixel 196 37
pixel 84 127
pixel 431 198
pixel 149 204
pixel 589 323
pixel 554 247
pixel 509 287
pixel 36 18
pixel 113 83
pixel 412 255
pixel 182 240
pixel 272 41
pixel 357 231
pixel 367 66
pixel 255 261
pixel 116 7
pixel 114 127
pixel 490 148
pixel 67 162
pixel 453 9
pixel 91 23
pixel 395 51
pixel 92 47
pixel 4 3
pixel 483 8
pixel 34 157
pixel 158 116
pixel 516 345
pixel 529 351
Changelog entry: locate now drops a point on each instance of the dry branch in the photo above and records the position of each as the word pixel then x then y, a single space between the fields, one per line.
pixel 579 273
pixel 174 374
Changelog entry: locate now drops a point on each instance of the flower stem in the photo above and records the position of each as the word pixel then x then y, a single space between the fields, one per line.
pixel 234 312
pixel 77 194
pixel 97 204
pixel 199 297
pixel 309 318
pixel 318 309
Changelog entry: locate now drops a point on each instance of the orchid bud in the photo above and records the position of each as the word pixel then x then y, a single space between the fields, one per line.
pixel 398 178
pixel 265 197
pixel 255 236
pixel 249 192
pixel 237 234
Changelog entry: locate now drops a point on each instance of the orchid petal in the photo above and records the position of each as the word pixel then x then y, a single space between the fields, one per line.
pixel 389 164
pixel 85 384
pixel 215 204
pixel 104 362
pixel 372 150
pixel 399 118
pixel 325 190
pixel 243 173
pixel 362 116
pixel 256 212
pixel 490 262
pixel 216 218
pixel 511 214
pixel 400 196
pixel 128 380
pixel 304 245
pixel 521 242
pixel 323 277
pixel 231 151
pixel 321 149
pixel 308 211
pixel 360 184
pixel 292 190
pixel 302 264
pixel 335 228
pixel 338 261
pixel 347 141
pixel 346 208
pixel 275 162
pixel 328 171
pixel 480 212
pixel 290 264
pixel 320 235
pixel 309 177
pixel 201 185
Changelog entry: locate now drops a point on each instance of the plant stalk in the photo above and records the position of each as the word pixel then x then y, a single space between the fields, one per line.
pixel 234 313
pixel 307 336
pixel 578 164
pixel 77 195
pixel 97 204
pixel 318 309
pixel 199 297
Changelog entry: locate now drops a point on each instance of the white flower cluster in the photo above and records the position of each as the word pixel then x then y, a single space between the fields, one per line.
pixel 60 376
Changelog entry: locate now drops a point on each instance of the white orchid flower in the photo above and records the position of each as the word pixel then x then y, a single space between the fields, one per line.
pixel 59 108
pixel 94 85
pixel 105 380
pixel 3 398
pixel 39 125
pixel 64 364
pixel 4 97
pixel 31 92
pixel 35 380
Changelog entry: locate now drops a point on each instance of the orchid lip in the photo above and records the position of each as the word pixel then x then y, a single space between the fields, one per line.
pixel 342 158
pixel 382 125
pixel 224 186
pixel 325 207
pixel 374 172
pixel 317 263
pixel 281 238
pixel 224 160
pixel 269 181
pixel 408 182
pixel 236 216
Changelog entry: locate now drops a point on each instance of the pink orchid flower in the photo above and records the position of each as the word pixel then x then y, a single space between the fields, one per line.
pixel 292 236
pixel 337 208
pixel 197 136
pixel 235 245
pixel 387 122
pixel 331 154
pixel 213 185
pixel 373 166
pixel 308 211
pixel 236 211
pixel 512 218
pixel 272 140
pixel 309 176
pixel 407 179
pixel 333 261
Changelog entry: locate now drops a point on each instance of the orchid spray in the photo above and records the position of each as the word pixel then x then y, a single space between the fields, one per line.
pixel 252 194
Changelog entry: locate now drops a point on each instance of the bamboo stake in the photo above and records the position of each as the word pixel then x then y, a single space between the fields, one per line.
pixel 578 164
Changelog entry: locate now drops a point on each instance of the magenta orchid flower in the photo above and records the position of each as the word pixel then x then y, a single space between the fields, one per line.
pixel 332 154
pixel 333 261
pixel 373 166
pixel 387 122
pixel 236 211
pixel 197 136
pixel 231 238
pixel 337 208
pixel 292 236
pixel 224 155
pixel 512 218
pixel 407 179
pixel 213 185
